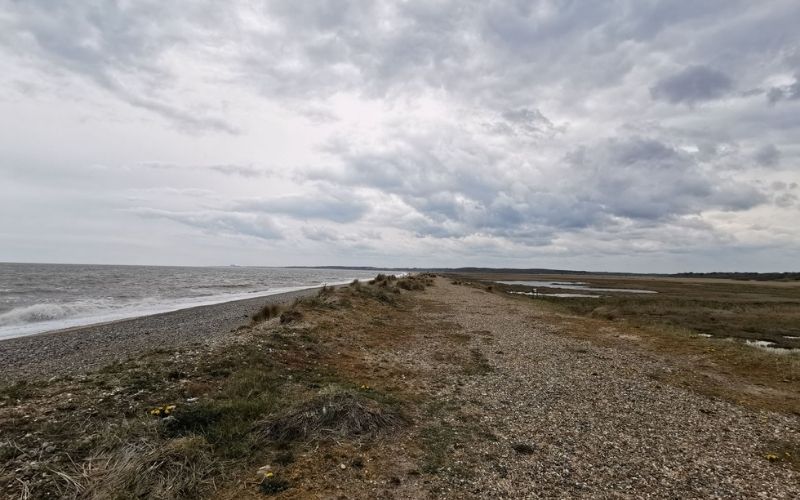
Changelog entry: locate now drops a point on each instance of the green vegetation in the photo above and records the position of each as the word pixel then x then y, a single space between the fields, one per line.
pixel 748 312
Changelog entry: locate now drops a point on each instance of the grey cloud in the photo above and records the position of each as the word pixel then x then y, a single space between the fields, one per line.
pixel 342 208
pixel 230 169
pixel 789 92
pixel 767 155
pixel 643 178
pixel 640 179
pixel 787 200
pixel 692 85
pixel 116 46
pixel 241 170
pixel 524 121
pixel 336 235
pixel 218 222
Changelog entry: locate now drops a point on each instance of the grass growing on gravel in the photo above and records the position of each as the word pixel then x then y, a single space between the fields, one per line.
pixel 264 397
pixel 437 441
pixel 672 320
pixel 478 363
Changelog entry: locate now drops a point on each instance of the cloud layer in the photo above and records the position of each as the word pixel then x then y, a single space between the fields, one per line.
pixel 624 135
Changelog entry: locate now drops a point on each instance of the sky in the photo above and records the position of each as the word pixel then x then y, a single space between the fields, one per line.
pixel 641 135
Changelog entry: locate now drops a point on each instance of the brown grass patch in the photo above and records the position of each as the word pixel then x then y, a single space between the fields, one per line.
pixel 337 415
pixel 268 311
pixel 182 468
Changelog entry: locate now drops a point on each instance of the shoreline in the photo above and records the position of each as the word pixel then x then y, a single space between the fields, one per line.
pixel 28 329
pixel 79 349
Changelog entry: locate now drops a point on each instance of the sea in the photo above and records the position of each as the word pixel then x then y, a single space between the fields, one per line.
pixel 36 298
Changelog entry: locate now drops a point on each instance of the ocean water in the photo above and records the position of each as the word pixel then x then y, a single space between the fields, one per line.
pixel 36 298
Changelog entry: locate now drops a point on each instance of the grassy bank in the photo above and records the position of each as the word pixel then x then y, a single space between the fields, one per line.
pixel 284 396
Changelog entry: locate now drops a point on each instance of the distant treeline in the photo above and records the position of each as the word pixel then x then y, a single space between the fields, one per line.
pixel 743 276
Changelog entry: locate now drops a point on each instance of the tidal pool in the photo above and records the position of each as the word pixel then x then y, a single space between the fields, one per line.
pixel 572 285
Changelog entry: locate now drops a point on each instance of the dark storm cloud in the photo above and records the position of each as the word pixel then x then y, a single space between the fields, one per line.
pixel 692 85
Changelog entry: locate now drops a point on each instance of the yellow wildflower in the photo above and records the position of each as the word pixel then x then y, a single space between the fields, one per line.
pixel 162 411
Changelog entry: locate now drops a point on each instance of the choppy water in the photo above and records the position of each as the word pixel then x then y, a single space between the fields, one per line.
pixel 37 298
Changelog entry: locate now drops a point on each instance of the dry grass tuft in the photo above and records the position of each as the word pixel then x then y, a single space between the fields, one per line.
pixel 338 415
pixel 291 316
pixel 269 311
pixel 180 469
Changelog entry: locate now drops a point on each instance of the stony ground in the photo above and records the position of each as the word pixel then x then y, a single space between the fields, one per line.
pixel 589 421
pixel 499 401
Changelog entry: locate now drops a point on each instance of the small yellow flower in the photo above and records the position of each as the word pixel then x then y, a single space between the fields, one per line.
pixel 771 457
pixel 269 474
pixel 160 411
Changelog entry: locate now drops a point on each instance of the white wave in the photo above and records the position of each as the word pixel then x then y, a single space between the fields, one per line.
pixel 40 318
pixel 48 312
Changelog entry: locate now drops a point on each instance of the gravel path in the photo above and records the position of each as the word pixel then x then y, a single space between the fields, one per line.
pixel 77 350
pixel 597 426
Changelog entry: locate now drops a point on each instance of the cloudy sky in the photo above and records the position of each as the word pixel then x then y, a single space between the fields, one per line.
pixel 637 135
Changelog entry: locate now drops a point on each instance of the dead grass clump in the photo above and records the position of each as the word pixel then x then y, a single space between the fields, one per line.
pixel 478 364
pixel 273 485
pixel 17 391
pixel 605 312
pixel 268 311
pixel 378 293
pixel 416 282
pixel 378 279
pixel 523 448
pixel 182 468
pixel 291 316
pixel 338 415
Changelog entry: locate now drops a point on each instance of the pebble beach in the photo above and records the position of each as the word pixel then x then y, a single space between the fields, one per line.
pixel 78 350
